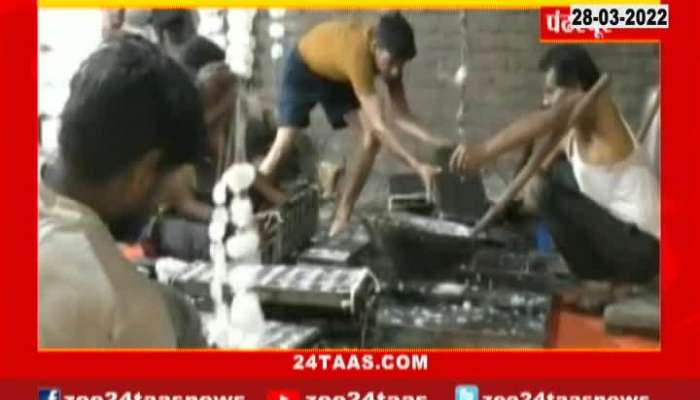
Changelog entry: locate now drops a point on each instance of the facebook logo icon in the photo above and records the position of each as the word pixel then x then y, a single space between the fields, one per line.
pixel 467 392
pixel 49 394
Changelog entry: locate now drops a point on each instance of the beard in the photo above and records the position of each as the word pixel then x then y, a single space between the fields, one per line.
pixel 137 224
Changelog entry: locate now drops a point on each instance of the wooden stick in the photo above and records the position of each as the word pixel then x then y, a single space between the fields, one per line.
pixel 646 124
pixel 547 152
pixel 220 151
pixel 553 154
pixel 229 136
pixel 232 137
pixel 240 155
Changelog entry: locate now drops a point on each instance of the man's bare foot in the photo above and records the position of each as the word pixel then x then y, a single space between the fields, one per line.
pixel 622 291
pixel 571 295
pixel 339 222
pixel 594 296
pixel 589 296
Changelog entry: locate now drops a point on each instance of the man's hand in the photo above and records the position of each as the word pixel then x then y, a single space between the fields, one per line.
pixel 178 186
pixel 427 174
pixel 178 191
pixel 467 158
pixel 269 190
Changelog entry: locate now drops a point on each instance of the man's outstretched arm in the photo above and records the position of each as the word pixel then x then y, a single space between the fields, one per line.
pixel 406 120
pixel 524 130
pixel 284 141
pixel 372 108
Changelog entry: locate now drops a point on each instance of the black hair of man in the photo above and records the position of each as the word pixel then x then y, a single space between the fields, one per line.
pixel 127 99
pixel 178 23
pixel 395 35
pixel 200 51
pixel 573 66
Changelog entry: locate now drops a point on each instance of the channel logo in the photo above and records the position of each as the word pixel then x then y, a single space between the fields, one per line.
pixel 467 392
pixel 283 395
pixel 49 394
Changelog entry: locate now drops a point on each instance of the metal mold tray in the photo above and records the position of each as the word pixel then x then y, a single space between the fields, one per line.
pixel 457 198
pixel 519 270
pixel 281 335
pixel 334 289
pixel 415 325
pixel 460 198
pixel 430 292
pixel 293 225
pixel 343 249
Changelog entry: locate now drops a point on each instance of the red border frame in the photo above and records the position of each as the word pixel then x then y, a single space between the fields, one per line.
pixel 679 356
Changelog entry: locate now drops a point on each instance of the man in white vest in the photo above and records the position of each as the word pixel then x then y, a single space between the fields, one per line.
pixel 608 231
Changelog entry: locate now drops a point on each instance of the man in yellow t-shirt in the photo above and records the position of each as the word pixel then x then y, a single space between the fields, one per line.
pixel 335 64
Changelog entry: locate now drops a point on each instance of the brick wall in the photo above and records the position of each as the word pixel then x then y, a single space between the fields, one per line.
pixel 503 78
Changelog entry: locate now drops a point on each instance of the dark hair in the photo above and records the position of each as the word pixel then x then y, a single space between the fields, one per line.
pixel 395 35
pixel 573 66
pixel 200 51
pixel 126 99
pixel 177 22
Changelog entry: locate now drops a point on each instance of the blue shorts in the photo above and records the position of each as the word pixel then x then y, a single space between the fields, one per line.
pixel 302 89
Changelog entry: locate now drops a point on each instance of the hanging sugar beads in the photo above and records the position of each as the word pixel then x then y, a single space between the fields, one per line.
pixel 241 324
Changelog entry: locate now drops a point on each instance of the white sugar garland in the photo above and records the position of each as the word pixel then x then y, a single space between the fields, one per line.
pixel 241 324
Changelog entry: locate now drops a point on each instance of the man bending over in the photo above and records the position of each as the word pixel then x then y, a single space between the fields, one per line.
pixel 335 64
pixel 132 117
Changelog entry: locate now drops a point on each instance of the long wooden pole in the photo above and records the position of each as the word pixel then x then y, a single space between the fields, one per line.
pixel 649 118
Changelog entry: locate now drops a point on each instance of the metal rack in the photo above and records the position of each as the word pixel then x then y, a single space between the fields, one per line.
pixel 291 226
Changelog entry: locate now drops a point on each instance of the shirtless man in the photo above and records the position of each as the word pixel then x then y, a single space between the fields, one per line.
pixel 609 230
pixel 186 195
pixel 336 64
pixel 174 28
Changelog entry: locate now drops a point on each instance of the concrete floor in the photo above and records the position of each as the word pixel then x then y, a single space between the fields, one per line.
pixel 573 330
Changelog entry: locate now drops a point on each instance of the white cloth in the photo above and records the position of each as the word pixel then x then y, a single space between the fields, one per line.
pixel 628 189
pixel 89 295
pixel 652 142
